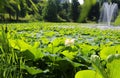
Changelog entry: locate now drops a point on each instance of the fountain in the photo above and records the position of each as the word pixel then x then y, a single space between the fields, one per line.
pixel 109 12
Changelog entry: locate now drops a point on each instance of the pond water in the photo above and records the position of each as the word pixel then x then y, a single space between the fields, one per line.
pixel 103 26
pixel 99 26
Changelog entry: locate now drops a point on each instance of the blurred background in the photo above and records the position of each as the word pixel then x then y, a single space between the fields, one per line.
pixel 82 11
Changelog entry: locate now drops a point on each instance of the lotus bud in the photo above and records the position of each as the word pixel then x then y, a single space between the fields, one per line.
pixel 95 58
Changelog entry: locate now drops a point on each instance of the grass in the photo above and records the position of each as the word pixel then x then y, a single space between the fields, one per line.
pixel 9 60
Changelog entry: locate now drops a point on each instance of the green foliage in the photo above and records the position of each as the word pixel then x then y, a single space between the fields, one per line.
pixel 87 74
pixel 42 10
pixel 30 52
pixel 31 70
pixel 69 55
pixel 85 9
pixel 75 10
pixel 88 49
pixel 17 8
pixel 113 68
pixel 106 51
pixel 50 13
pixel 39 50
pixel 64 11
pixel 94 13
pixel 117 21
pixel 9 61
pixel 98 66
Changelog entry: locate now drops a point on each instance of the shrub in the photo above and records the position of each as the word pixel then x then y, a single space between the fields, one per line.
pixel 117 21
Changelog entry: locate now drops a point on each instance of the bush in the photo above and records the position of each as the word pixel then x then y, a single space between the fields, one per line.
pixel 117 21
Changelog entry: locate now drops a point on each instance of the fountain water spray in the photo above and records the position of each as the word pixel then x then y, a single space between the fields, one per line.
pixel 109 12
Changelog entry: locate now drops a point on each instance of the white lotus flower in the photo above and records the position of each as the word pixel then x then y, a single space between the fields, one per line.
pixel 69 42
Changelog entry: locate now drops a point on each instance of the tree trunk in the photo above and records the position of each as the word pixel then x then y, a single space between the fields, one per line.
pixel 3 18
pixel 9 16
pixel 17 17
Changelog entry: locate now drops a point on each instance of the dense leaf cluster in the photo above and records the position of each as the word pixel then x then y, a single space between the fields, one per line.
pixel 38 50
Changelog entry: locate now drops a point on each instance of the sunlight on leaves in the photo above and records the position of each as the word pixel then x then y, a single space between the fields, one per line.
pixel 70 55
pixel 87 74
pixel 106 51
pixel 113 68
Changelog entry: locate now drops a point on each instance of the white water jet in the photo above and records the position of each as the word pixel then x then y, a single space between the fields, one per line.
pixel 109 12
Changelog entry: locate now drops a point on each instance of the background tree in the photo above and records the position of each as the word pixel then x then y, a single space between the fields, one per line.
pixel 3 5
pixel 94 12
pixel 116 1
pixel 50 11
pixel 86 7
pixel 65 10
pixel 75 10
pixel 17 8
